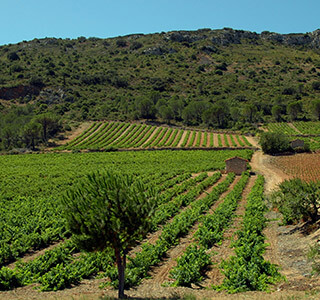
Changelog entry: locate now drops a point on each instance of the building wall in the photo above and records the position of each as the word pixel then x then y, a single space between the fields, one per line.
pixel 297 143
pixel 236 165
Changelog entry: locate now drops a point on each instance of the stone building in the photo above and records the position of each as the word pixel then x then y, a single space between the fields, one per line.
pixel 236 165
pixel 297 143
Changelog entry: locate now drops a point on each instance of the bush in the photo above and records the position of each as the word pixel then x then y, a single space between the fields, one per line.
pixel 273 143
pixel 8 279
pixel 297 200
pixel 314 257
pixel 316 85
pixel 13 56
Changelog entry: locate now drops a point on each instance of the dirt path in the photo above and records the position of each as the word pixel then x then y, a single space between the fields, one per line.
pixel 215 140
pixel 74 133
pixel 253 141
pixel 287 245
pixel 261 164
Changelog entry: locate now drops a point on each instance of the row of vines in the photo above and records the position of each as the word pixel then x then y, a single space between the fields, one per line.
pixel 127 136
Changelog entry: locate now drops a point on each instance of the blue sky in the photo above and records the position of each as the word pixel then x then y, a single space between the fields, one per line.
pixel 28 19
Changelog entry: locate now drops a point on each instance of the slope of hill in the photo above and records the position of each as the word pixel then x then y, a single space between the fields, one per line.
pixel 219 78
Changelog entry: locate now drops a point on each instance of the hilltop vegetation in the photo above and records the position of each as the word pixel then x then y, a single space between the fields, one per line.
pixel 212 78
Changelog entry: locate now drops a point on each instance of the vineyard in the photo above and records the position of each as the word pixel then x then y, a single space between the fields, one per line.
pixel 196 204
pixel 303 166
pixel 120 135
pixel 307 131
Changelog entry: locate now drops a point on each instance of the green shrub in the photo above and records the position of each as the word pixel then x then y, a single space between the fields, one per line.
pixel 8 279
pixel 186 271
pixel 273 143
pixel 297 200
pixel 314 257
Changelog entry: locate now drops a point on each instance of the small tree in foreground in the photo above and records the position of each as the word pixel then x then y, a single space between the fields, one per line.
pixel 110 210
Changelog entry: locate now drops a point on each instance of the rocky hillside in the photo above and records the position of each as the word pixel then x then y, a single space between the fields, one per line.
pixel 181 76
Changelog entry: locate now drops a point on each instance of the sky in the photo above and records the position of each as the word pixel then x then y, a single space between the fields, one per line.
pixel 28 19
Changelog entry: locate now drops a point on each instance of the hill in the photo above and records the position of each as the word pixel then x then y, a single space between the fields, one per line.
pixel 212 78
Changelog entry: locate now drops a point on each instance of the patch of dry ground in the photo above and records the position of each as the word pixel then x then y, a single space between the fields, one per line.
pixel 303 165
pixel 73 134
pixel 263 164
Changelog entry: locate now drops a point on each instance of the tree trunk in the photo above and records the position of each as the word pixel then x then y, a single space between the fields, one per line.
pixel 32 143
pixel 121 268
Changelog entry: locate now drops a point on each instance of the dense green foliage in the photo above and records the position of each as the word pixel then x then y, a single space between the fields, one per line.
pixel 220 78
pixel 274 143
pixel 22 128
pixel 152 254
pixel 306 131
pixel 46 175
pixel 297 200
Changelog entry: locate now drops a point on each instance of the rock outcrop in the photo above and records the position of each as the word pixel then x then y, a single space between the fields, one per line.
pixel 229 36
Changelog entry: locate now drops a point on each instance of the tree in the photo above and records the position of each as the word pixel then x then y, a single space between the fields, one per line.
pixel 31 133
pixel 192 113
pixel 294 108
pixel 276 112
pixel 146 108
pixel 316 108
pixel 166 113
pixel 50 125
pixel 249 112
pixel 273 143
pixel 177 106
pixel 215 116
pixel 316 85
pixel 110 210
pixel 13 56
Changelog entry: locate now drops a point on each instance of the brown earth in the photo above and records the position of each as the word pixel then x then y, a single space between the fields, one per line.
pixel 266 166
pixel 182 138
pixel 253 141
pixel 215 140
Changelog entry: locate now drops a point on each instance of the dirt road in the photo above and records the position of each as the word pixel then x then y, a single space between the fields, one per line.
pixel 261 164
